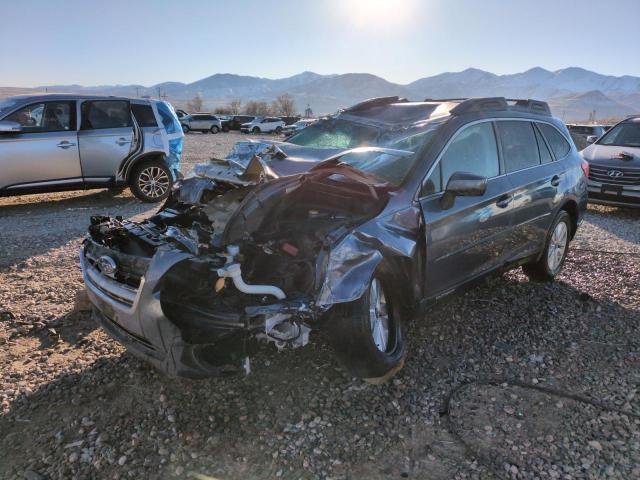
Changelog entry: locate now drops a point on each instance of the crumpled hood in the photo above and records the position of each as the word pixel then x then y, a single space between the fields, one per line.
pixel 299 159
pixel 610 156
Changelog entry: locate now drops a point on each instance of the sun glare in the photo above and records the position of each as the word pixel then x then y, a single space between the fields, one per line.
pixel 377 14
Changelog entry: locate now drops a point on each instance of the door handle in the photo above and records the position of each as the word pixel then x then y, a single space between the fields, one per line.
pixel 504 201
pixel 122 141
pixel 555 181
pixel 65 144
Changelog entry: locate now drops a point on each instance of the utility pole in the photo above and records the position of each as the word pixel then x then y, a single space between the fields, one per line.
pixel 159 96
pixel 138 92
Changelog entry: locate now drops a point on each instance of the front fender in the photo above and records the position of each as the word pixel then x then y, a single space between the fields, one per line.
pixel 351 264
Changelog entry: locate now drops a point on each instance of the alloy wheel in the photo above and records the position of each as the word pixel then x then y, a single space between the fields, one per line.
pixel 557 246
pixel 153 182
pixel 378 316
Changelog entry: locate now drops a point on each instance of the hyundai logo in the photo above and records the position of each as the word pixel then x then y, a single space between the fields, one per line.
pixel 107 265
pixel 615 173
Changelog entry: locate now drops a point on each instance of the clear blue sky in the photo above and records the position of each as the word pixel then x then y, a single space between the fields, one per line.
pixel 145 42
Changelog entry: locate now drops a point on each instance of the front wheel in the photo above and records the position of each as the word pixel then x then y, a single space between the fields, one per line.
pixel 214 129
pixel 554 253
pixel 256 130
pixel 151 182
pixel 278 130
pixel 367 333
pixel 185 129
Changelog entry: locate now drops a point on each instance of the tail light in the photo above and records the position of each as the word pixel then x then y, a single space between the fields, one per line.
pixel 585 168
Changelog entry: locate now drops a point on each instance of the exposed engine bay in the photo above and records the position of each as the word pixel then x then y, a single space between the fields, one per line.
pixel 257 246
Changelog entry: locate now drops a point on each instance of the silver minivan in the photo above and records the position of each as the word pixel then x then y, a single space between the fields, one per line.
pixel 68 142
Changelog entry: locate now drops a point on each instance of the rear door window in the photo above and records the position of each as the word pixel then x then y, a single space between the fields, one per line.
pixel 519 146
pixel 101 114
pixel 556 140
pixel 46 117
pixel 144 115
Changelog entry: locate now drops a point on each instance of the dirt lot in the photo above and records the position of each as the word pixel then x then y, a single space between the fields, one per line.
pixel 471 402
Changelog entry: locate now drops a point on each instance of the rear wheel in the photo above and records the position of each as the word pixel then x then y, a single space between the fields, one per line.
pixel 278 130
pixel 214 129
pixel 555 251
pixel 367 333
pixel 151 181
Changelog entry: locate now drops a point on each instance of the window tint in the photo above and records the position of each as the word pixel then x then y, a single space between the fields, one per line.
pixel 105 114
pixel 473 150
pixel 558 143
pixel 46 117
pixel 545 154
pixel 519 146
pixel 144 115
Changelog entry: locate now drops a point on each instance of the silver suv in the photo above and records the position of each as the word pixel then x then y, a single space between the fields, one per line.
pixel 69 142
pixel 203 122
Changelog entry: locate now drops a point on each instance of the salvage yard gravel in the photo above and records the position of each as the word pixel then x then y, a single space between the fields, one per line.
pixel 513 379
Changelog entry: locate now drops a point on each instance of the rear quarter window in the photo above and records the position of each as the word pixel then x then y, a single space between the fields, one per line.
pixel 556 140
pixel 144 115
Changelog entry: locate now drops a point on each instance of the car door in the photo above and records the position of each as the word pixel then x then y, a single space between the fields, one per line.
pixel 105 138
pixel 534 177
pixel 471 237
pixel 45 151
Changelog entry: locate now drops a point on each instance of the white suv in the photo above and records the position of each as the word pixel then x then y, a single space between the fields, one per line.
pixel 263 125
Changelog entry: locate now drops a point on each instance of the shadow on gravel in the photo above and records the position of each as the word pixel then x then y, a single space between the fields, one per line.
pixel 43 223
pixel 299 415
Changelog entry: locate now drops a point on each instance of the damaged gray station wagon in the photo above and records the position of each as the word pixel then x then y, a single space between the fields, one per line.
pixel 353 226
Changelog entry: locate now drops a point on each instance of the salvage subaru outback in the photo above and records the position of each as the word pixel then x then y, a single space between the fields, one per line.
pixel 352 226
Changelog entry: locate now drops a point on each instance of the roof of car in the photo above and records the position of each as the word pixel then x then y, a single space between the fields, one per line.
pixel 400 111
pixel 73 96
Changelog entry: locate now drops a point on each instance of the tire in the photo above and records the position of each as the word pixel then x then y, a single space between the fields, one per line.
pixel 555 251
pixel 256 130
pixel 278 130
pixel 185 129
pixel 151 181
pixel 361 348
pixel 214 129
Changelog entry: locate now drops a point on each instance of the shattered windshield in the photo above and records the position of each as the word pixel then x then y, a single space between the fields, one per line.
pixel 390 167
pixel 335 133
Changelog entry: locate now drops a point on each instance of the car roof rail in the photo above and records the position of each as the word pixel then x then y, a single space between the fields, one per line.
pixel 487 104
pixel 535 106
pixel 374 102
pixel 461 99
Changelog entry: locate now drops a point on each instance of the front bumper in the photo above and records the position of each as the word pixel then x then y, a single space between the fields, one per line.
pixel 135 317
pixel 178 339
pixel 615 195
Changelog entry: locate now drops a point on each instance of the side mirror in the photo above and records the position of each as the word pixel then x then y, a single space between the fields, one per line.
pixel 591 139
pixel 10 127
pixel 463 184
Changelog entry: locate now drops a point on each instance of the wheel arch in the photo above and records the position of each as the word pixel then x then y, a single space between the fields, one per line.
pixel 151 156
pixel 571 207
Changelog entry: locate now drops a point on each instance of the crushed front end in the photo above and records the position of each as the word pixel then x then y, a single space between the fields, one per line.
pixel 235 256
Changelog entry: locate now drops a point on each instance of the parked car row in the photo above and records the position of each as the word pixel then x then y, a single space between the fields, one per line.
pixel 211 123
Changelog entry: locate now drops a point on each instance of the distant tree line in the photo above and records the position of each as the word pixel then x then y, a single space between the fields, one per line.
pixel 283 105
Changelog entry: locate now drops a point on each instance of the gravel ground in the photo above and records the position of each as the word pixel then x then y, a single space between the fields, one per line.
pixel 470 402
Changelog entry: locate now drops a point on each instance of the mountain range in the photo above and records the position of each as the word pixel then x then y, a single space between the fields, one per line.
pixel 573 93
